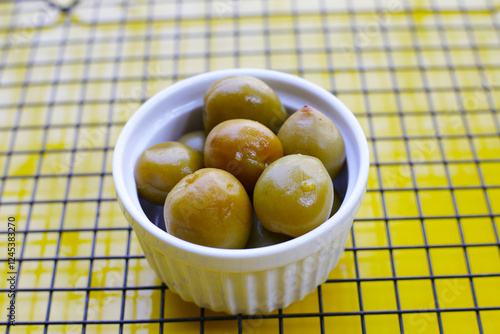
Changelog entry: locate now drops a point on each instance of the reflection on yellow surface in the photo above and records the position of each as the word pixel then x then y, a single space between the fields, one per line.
pixel 62 106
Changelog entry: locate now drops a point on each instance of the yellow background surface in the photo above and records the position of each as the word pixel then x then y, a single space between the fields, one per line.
pixel 423 79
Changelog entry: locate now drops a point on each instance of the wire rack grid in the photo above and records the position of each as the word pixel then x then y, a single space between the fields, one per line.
pixel 423 79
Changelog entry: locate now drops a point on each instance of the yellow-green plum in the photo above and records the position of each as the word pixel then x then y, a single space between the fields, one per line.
pixel 242 97
pixel 308 131
pixel 211 208
pixel 293 195
pixel 337 202
pixel 260 237
pixel 242 147
pixel 161 166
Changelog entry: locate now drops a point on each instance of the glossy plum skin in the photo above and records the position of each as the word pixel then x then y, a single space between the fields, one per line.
pixel 293 195
pixel 242 97
pixel 310 132
pixel 211 208
pixel 260 237
pixel 161 166
pixel 195 140
pixel 242 147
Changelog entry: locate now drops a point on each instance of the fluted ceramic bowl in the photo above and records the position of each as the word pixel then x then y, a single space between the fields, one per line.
pixel 244 280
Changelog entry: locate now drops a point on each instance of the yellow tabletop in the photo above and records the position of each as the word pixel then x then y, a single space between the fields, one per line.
pixel 422 77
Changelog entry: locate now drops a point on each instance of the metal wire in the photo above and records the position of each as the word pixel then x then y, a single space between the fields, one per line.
pixel 369 114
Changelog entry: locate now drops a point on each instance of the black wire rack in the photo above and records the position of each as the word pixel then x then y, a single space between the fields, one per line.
pixel 423 79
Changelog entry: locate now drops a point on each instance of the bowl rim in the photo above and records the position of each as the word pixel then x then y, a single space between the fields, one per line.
pixel 273 251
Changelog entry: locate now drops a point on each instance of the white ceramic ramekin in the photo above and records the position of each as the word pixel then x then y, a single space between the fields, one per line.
pixel 247 280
